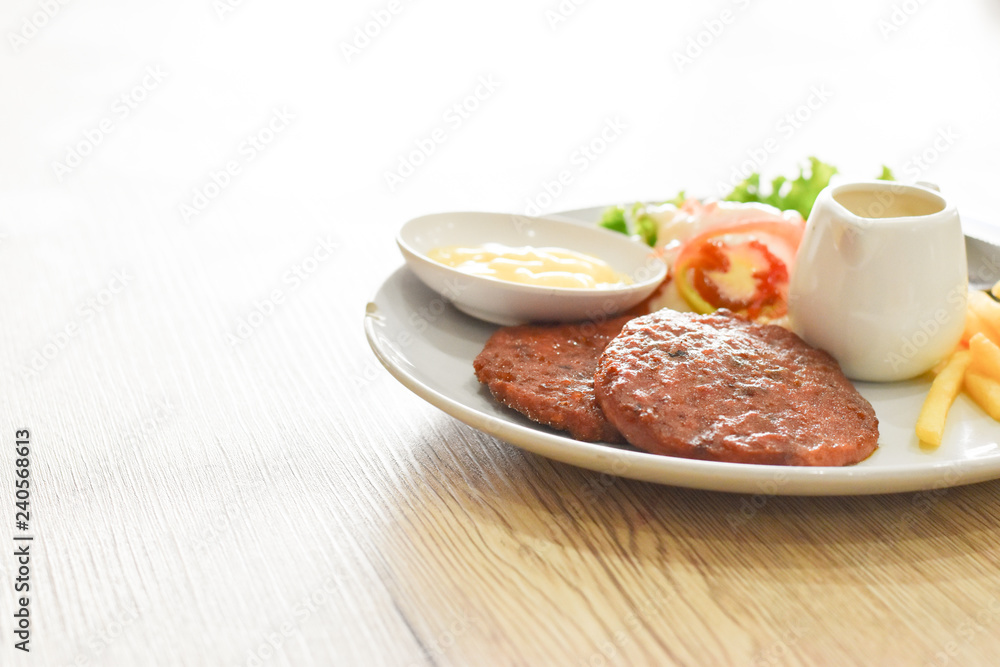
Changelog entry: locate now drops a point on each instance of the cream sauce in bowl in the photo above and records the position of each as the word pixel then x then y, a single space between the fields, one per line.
pixel 548 267
pixel 580 272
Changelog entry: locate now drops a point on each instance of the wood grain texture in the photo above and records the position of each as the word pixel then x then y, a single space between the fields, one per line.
pixel 205 497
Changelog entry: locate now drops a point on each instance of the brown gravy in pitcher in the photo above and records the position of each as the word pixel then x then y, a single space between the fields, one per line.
pixel 884 203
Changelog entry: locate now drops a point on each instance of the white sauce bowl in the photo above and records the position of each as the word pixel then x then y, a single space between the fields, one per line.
pixel 508 303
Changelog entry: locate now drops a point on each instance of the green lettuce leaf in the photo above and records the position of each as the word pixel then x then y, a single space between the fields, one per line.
pixel 634 221
pixel 798 194
pixel 678 200
pixel 644 224
pixel 614 219
pixel 795 195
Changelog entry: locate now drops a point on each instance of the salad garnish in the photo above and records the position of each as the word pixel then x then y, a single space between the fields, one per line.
pixel 798 194
pixel 734 253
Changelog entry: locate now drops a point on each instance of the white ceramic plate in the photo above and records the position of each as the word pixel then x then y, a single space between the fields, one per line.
pixel 429 346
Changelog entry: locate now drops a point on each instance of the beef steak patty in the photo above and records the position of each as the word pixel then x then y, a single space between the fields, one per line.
pixel 718 388
pixel 546 372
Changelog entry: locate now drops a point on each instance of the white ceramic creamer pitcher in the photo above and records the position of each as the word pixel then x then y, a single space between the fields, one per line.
pixel 880 281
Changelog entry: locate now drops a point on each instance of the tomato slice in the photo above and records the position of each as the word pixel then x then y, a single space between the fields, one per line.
pixel 743 267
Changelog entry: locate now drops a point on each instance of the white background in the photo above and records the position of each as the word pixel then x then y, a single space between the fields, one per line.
pixel 688 127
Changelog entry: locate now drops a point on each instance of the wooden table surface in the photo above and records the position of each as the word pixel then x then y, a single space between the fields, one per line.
pixel 197 200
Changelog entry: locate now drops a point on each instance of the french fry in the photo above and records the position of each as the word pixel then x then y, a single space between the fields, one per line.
pixel 973 325
pixel 988 312
pixel 940 366
pixel 944 389
pixel 985 357
pixel 984 391
pixel 977 370
pixel 995 290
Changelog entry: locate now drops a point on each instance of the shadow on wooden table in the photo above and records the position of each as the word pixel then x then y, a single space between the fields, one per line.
pixel 545 502
pixel 520 546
